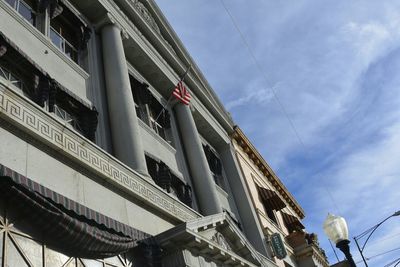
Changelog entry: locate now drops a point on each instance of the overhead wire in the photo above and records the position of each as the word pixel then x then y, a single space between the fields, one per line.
pixel 392 262
pixel 284 111
pixel 377 241
pixel 271 88
pixel 259 67
pixel 381 254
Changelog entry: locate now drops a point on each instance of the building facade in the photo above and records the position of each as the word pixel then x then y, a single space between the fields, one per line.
pixel 277 210
pixel 99 165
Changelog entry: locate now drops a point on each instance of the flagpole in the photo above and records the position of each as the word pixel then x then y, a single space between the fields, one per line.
pixel 186 72
pixel 170 96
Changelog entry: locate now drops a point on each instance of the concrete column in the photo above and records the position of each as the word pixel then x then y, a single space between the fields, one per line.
pixel 125 129
pixel 241 195
pixel 203 182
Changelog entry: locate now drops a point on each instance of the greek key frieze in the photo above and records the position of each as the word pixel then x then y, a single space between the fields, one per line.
pixel 42 126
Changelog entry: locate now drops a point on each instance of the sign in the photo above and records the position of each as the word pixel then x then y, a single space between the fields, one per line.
pixel 278 246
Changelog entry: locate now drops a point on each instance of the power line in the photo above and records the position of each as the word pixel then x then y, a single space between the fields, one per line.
pixel 260 69
pixel 375 242
pixel 380 254
pixel 393 262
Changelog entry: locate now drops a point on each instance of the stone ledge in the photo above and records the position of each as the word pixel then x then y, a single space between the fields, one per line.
pixel 44 39
pixel 38 124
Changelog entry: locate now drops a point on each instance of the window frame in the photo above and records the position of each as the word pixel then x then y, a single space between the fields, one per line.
pixel 219 179
pixel 146 113
pixel 16 5
pixel 5 72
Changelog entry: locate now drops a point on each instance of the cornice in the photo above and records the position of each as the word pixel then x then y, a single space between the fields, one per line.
pixel 307 251
pixel 266 170
pixel 43 128
pixel 152 28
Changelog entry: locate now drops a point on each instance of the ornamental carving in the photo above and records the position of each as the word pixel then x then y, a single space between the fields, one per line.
pixel 144 12
pixel 42 127
pixel 146 15
pixel 220 240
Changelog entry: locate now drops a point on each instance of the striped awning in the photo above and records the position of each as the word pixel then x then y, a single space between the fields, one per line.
pixel 66 225
pixel 292 222
pixel 270 198
pixel 27 63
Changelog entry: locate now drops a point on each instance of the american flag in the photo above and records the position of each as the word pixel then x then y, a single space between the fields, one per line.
pixel 181 93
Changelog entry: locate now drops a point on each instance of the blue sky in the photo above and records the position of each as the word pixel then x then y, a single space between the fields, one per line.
pixel 335 67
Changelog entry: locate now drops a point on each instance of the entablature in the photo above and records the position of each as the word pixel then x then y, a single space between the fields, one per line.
pixel 47 130
pixel 147 31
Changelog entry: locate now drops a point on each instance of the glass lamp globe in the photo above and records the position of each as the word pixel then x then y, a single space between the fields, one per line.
pixel 335 227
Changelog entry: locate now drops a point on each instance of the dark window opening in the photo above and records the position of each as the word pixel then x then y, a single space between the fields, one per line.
pixel 271 214
pixel 82 118
pixel 19 72
pixel 27 9
pixel 215 165
pixel 150 111
pixel 164 178
pixel 268 209
pixel 35 84
pixel 68 33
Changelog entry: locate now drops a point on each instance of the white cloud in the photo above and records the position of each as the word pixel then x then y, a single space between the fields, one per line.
pixel 337 71
pixel 254 97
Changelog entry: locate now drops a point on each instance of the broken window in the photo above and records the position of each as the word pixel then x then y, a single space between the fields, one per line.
pixel 215 165
pixel 26 8
pixel 150 111
pixel 163 177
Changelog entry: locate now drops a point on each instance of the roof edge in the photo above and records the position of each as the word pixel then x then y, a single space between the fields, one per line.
pixel 263 166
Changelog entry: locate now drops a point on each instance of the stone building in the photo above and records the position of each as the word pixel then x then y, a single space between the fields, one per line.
pixel 278 212
pixel 99 165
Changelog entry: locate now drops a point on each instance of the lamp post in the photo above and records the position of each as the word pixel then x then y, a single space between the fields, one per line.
pixel 370 231
pixel 335 227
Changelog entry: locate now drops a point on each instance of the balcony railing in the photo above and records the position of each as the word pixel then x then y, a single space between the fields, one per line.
pixel 63 45
pixel 4 73
pixel 67 117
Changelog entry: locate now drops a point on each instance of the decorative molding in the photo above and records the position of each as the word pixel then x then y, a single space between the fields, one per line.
pixel 144 12
pixel 221 241
pixel 40 125
pixel 146 15
pixel 253 155
pixel 45 40
pixel 107 19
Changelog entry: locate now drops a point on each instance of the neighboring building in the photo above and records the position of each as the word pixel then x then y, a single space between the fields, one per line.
pixel 344 263
pixel 93 171
pixel 277 210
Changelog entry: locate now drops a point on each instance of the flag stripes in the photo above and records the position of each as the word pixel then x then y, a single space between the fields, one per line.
pixel 181 93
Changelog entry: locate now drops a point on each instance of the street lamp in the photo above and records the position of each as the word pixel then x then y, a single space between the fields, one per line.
pixel 370 231
pixel 335 227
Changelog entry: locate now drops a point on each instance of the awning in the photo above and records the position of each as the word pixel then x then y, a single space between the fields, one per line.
pixel 65 225
pixel 292 222
pixel 270 198
pixel 27 63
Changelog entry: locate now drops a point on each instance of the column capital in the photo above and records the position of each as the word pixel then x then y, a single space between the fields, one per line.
pixel 107 20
